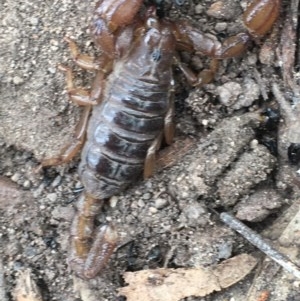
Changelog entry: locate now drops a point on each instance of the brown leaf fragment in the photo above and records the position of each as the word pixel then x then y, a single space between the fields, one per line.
pixel 26 289
pixel 175 284
pixel 234 269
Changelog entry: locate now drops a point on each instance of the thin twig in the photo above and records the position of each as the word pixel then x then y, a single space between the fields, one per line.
pixel 260 243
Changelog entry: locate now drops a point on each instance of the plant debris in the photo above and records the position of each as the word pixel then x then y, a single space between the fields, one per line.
pixel 175 284
pixel 26 289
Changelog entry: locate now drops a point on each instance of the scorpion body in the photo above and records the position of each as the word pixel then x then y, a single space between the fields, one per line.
pixel 131 117
pixel 132 101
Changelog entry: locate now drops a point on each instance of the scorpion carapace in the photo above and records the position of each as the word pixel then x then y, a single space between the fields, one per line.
pixel 131 100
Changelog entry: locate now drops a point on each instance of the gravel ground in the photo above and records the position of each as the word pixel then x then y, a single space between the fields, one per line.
pixel 226 158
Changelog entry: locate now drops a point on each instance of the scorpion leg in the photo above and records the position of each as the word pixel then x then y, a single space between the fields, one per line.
pixel 82 60
pixel 103 63
pixel 204 77
pixel 168 135
pixel 169 127
pixel 109 19
pixel 151 156
pixel 88 256
pixel 81 96
pixel 70 150
pixel 261 15
pixel 103 66
pixel 258 18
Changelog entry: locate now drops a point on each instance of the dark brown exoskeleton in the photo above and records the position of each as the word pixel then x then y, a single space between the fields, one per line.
pixel 132 106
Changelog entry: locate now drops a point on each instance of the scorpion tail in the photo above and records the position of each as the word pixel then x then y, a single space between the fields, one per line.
pixel 87 255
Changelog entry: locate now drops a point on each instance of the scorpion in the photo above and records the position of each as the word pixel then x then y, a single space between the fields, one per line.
pixel 131 102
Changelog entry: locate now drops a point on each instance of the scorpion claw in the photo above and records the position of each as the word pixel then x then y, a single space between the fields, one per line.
pixel 260 16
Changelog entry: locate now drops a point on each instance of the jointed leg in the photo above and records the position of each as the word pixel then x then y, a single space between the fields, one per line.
pixel 81 96
pixel 169 127
pixel 103 66
pixel 204 77
pixel 259 18
pixel 87 62
pixel 150 158
pixel 168 134
pixel 71 149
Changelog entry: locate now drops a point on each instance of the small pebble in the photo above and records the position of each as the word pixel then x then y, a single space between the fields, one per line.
pixel 34 21
pixel 52 70
pixel 199 9
pixel 16 177
pixel 30 251
pixel 27 184
pixel 17 80
pixel 113 201
pixel 50 274
pixel 253 143
pixel 147 196
pixel 221 26
pixel 216 9
pixel 141 203
pixel 39 190
pixel 134 205
pixel 52 196
pixel 160 203
pixel 225 250
pixel 194 214
pixel 56 181
pixel 204 122
pixel 152 210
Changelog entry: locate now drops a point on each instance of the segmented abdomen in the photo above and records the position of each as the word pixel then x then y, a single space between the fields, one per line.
pixel 121 129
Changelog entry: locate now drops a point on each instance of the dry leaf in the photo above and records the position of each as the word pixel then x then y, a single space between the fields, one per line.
pixel 26 289
pixel 175 284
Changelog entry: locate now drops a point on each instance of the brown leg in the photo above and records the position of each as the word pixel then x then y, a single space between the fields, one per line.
pixel 168 134
pixel 83 97
pixel 150 158
pixel 207 75
pixel 103 66
pixel 88 255
pixel 87 62
pixel 204 77
pixel 259 18
pixel 71 149
pixel 169 128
